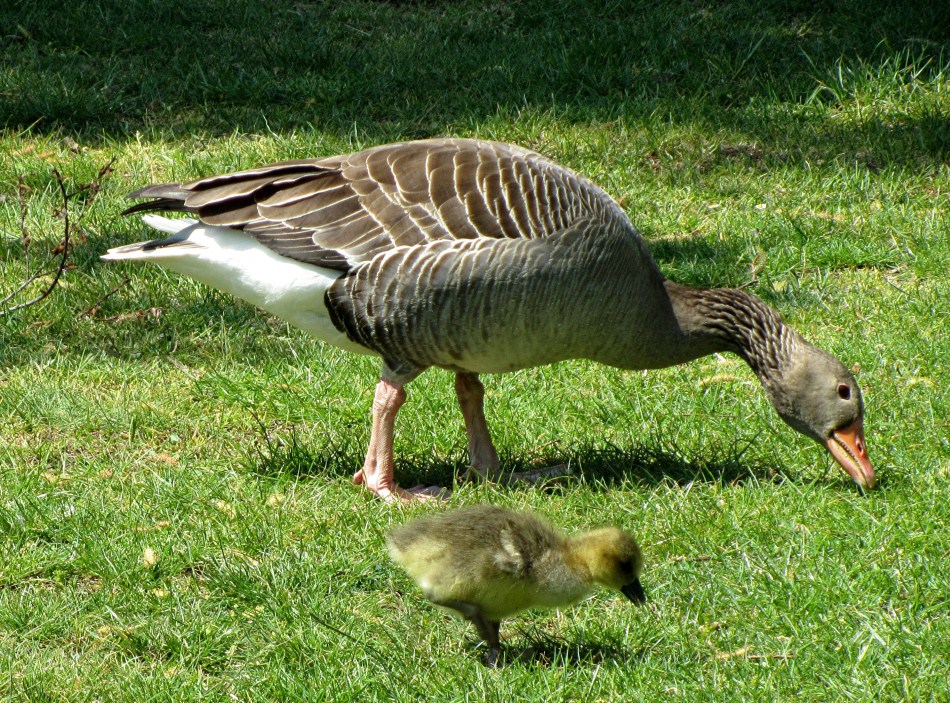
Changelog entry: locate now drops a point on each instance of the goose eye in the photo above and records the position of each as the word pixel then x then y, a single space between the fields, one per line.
pixel 844 391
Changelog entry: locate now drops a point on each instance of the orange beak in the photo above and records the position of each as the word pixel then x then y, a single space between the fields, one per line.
pixel 848 448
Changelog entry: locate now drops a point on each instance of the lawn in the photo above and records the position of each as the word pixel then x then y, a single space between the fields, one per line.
pixel 176 517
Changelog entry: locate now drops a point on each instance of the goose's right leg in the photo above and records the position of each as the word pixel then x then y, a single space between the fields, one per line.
pixel 377 471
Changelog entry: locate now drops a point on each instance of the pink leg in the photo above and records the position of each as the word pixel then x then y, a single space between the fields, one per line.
pixel 377 471
pixel 482 457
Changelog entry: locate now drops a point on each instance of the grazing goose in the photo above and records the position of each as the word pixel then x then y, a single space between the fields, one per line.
pixel 486 563
pixel 476 257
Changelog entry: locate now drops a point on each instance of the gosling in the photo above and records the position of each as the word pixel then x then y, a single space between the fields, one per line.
pixel 486 563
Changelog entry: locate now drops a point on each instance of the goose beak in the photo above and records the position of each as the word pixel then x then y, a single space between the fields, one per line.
pixel 848 448
pixel 634 591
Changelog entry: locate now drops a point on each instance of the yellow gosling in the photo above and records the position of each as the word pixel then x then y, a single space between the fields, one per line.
pixel 486 563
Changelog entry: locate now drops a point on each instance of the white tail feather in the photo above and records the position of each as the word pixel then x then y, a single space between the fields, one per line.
pixel 236 263
pixel 167 224
pixel 130 252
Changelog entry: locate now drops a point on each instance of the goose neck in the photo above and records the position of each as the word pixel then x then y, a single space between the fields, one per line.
pixel 728 319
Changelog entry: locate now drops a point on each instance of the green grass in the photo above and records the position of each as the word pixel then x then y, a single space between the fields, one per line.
pixel 176 519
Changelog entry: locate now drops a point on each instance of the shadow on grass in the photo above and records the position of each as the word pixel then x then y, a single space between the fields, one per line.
pixel 546 650
pixel 650 464
pixel 368 71
pixel 601 467
pixel 378 70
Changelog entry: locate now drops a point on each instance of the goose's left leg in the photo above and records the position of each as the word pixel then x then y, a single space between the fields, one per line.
pixel 377 471
pixel 482 456
pixel 483 460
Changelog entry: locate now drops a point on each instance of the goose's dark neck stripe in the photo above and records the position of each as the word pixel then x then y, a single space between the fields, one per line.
pixel 735 321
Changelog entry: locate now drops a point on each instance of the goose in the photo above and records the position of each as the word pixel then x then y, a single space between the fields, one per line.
pixel 476 257
pixel 486 563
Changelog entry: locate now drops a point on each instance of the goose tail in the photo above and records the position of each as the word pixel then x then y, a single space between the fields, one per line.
pixel 178 231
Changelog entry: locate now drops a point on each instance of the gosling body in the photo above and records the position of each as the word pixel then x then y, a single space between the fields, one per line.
pixel 486 563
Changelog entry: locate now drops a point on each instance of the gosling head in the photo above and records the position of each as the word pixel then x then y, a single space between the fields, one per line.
pixel 819 397
pixel 614 560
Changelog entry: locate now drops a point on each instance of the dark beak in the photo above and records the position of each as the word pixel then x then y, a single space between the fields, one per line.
pixel 634 591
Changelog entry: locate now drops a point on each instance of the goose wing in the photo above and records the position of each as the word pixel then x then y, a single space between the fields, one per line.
pixel 340 212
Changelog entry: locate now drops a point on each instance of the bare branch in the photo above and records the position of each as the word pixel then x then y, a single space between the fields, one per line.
pixel 21 189
pixel 63 248
pixel 59 256
pixel 95 306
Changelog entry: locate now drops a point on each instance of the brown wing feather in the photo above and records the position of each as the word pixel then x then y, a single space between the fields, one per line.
pixel 342 211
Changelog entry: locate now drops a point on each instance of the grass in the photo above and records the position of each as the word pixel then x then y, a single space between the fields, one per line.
pixel 176 520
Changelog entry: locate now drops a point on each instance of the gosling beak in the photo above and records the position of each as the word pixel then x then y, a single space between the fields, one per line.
pixel 634 591
pixel 848 448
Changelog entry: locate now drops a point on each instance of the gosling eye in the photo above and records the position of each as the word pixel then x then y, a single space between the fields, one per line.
pixel 844 391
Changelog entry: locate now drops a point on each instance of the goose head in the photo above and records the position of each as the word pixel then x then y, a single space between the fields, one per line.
pixel 810 389
pixel 613 559
pixel 816 395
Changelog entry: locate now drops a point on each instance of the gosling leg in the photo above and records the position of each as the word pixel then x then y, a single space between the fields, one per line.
pixel 487 629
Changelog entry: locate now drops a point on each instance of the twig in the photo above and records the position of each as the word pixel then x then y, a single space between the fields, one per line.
pixel 92 308
pixel 21 188
pixel 181 367
pixel 61 251
pixel 775 656
pixel 746 653
pixel 64 247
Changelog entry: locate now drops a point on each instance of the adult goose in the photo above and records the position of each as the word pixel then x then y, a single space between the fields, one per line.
pixel 476 257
